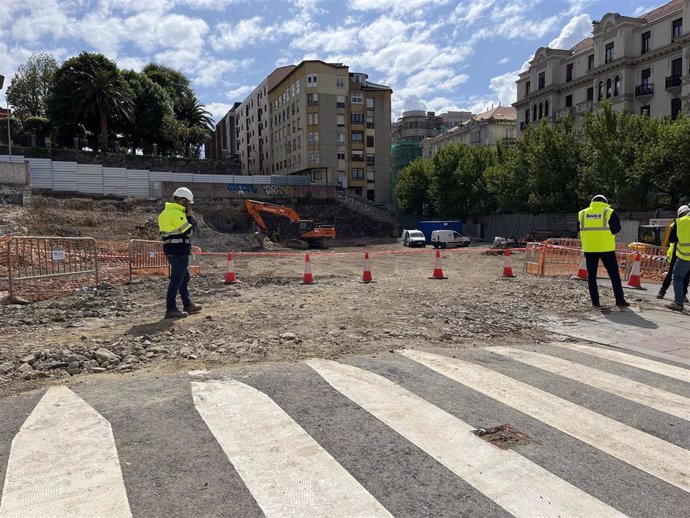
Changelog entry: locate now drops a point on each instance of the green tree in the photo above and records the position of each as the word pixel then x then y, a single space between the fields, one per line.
pixel 412 188
pixel 88 90
pixel 28 90
pixel 174 82
pixel 193 113
pixel 151 105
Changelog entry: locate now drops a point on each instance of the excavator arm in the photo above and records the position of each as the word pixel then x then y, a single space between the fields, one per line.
pixel 255 208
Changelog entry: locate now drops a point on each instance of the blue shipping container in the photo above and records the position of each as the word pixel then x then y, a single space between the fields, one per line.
pixel 427 227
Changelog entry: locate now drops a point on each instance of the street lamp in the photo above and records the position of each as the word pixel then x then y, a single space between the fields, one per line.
pixel 9 137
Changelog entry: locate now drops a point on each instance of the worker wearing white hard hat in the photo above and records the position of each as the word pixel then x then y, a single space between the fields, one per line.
pixel 176 225
pixel 597 225
pixel 672 257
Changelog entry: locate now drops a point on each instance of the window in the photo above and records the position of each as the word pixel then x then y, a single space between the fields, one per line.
pixel 608 53
pixel 370 103
pixel 312 80
pixel 677 26
pixel 617 86
pixel 357 156
pixel 527 115
pixel 358 174
pixel 675 108
pixel 569 73
pixel 357 98
pixel 568 101
pixel 340 82
pixel 312 99
pixel 590 62
pixel 370 122
pixel 600 94
pixel 528 84
pixel 340 120
pixel 313 119
pixel 340 101
pixel 317 174
pixel 546 108
pixel 340 139
pixel 541 110
pixel 542 80
pixel 370 141
pixel 646 42
pixel 534 112
pixel 357 118
pixel 314 157
pixel 313 137
pixel 645 110
pixel 590 93
pixel 608 88
pixel 371 195
pixel 341 156
pixel 646 75
pixel 370 159
pixel 357 137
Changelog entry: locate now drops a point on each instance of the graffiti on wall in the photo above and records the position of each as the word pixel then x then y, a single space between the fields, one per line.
pixel 364 207
pixel 242 187
pixel 298 191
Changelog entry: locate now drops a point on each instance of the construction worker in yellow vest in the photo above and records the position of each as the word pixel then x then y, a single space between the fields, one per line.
pixel 597 225
pixel 176 225
pixel 680 236
pixel 671 257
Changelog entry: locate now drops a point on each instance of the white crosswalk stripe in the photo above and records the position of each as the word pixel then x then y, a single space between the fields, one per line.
pixel 288 473
pixel 646 452
pixel 663 400
pixel 64 463
pixel 630 359
pixel 283 454
pixel 521 487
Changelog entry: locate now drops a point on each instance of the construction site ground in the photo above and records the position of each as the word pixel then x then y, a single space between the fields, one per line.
pixel 270 316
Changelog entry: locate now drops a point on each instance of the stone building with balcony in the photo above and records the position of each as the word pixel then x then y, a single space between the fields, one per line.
pixel 640 64
pixel 488 128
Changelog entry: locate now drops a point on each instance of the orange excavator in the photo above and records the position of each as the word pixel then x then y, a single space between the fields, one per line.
pixel 297 233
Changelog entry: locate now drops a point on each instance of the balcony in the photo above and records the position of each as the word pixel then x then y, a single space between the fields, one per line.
pixel 674 83
pixel 568 111
pixel 644 90
pixel 585 106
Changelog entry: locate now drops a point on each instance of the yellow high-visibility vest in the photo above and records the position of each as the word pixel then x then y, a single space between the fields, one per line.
pixel 683 231
pixel 595 233
pixel 671 246
pixel 173 220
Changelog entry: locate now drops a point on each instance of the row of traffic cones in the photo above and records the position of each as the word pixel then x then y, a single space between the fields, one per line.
pixel 367 277
pixel 634 280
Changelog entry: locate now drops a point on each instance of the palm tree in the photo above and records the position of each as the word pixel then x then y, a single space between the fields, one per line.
pixel 193 113
pixel 102 93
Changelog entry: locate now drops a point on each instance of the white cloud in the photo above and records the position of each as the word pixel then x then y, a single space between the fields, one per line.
pixel 249 31
pixel 209 71
pixel 505 88
pixel 131 63
pixel 330 40
pixel 397 6
pixel 503 61
pixel 45 17
pixel 578 28
pixel 469 14
pixel 218 110
pixel 239 93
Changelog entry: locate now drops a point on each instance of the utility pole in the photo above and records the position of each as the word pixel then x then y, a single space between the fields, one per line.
pixel 9 137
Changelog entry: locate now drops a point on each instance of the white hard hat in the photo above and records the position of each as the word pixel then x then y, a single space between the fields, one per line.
pixel 683 209
pixel 185 193
pixel 600 197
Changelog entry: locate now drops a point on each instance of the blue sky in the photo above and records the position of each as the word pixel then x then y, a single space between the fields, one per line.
pixel 436 54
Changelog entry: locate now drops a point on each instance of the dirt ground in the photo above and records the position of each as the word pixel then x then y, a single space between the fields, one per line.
pixel 270 316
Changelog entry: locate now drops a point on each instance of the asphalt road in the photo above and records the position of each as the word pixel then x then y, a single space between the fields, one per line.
pixel 379 435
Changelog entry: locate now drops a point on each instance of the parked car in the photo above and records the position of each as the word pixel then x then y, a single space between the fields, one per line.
pixel 448 238
pixel 413 238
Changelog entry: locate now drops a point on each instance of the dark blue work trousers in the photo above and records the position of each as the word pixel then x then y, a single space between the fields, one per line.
pixel 179 280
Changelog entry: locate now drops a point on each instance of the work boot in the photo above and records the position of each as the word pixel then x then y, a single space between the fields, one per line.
pixel 192 308
pixel 661 294
pixel 623 304
pixel 175 313
pixel 675 307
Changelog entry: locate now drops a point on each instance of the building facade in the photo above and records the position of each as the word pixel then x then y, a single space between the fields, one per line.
pixel 640 64
pixel 223 144
pixel 319 120
pixel 486 129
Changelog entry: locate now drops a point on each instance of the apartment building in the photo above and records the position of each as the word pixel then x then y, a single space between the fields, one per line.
pixel 223 143
pixel 416 125
pixel 332 125
pixel 640 64
pixel 485 129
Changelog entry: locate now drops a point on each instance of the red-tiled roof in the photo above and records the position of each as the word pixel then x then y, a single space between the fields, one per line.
pixel 585 44
pixel 498 113
pixel 660 12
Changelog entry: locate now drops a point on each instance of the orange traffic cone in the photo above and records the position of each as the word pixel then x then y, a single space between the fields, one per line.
pixel 308 277
pixel 582 270
pixel 507 267
pixel 438 271
pixel 230 271
pixel 635 279
pixel 366 275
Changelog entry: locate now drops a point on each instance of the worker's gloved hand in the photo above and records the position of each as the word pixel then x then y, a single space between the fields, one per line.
pixel 193 222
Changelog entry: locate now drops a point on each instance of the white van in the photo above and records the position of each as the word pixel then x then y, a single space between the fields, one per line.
pixel 446 238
